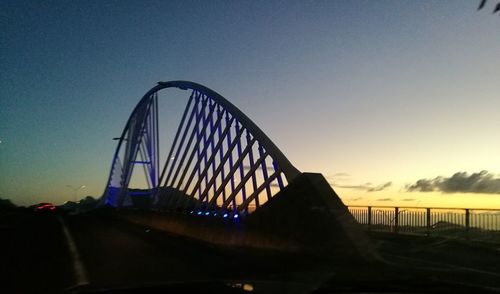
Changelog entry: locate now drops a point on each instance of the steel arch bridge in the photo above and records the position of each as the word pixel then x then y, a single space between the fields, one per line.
pixel 219 162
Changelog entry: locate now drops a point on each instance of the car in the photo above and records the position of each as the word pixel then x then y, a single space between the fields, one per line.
pixel 45 207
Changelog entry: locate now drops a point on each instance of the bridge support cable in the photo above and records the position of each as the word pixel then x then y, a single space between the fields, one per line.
pixel 184 134
pixel 179 129
pixel 220 167
pixel 203 159
pixel 225 180
pixel 211 162
pixel 221 155
pixel 278 178
pixel 231 199
pixel 205 147
pixel 233 168
pixel 256 193
pixel 264 173
pixel 196 149
pixel 241 167
pixel 243 182
pixel 230 152
pixel 254 178
pixel 190 141
pixel 203 155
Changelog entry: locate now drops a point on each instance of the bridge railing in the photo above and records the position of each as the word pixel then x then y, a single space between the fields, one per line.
pixel 462 223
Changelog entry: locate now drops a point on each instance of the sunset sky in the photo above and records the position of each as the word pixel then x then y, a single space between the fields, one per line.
pixel 382 97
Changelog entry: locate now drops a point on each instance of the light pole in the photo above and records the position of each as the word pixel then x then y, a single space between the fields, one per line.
pixel 75 190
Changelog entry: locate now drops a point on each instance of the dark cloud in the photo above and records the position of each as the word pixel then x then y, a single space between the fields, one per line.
pixel 423 185
pixel 385 199
pixel 461 182
pixel 368 187
pixel 380 187
pixel 408 199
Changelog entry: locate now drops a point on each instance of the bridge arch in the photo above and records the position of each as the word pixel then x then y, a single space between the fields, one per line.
pixel 229 168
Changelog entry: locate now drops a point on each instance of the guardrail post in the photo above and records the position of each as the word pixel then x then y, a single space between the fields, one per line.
pixel 428 221
pixel 396 219
pixel 467 223
pixel 369 218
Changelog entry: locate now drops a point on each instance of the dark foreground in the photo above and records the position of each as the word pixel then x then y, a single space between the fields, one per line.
pixel 36 258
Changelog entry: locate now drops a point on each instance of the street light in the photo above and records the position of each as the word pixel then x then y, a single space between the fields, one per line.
pixel 75 190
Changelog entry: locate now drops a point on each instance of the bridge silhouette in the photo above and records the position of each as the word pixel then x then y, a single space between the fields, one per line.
pixel 224 181
pixel 219 157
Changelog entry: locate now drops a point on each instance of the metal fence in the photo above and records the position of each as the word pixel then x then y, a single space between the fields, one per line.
pixel 479 224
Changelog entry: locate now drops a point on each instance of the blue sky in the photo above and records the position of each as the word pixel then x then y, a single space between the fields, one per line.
pixel 384 91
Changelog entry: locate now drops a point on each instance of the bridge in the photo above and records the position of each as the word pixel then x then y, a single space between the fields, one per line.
pixel 224 181
pixel 219 159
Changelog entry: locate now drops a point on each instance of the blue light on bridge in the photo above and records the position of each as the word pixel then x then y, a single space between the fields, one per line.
pixel 230 215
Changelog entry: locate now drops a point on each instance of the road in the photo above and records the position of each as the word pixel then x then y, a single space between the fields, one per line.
pixel 37 257
pixel 116 254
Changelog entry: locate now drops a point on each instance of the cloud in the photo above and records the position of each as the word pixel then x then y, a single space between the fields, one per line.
pixel 355 199
pixel 385 199
pixel 368 187
pixel 423 185
pixel 380 187
pixel 460 182
pixel 343 177
pixel 340 175
pixel 408 199
pixel 332 179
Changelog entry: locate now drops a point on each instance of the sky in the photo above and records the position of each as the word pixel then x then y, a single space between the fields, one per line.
pixel 394 102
